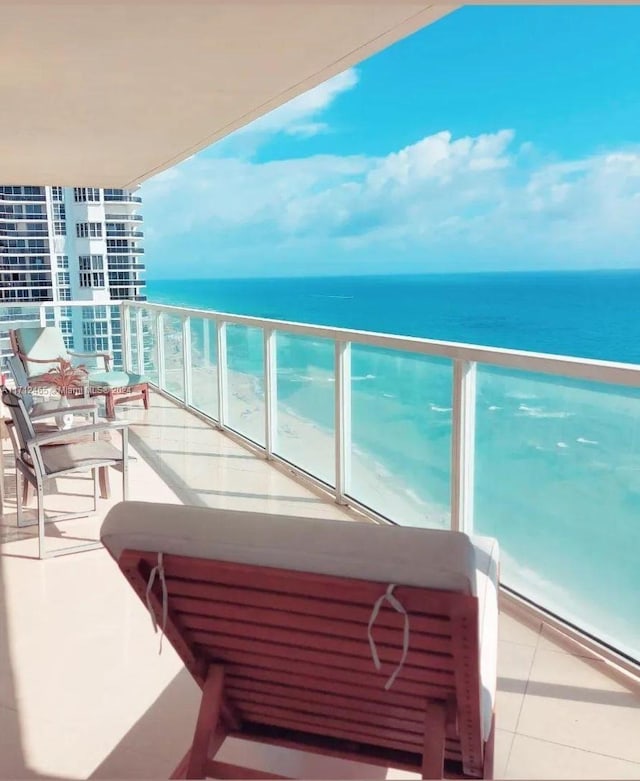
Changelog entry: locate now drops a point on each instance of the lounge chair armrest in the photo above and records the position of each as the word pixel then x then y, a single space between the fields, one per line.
pixel 40 360
pixel 50 439
pixel 107 357
pixel 81 406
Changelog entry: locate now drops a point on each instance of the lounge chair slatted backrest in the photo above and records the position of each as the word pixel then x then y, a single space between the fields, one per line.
pixel 280 621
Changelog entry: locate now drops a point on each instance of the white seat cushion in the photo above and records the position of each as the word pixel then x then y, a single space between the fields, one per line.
pixel 404 555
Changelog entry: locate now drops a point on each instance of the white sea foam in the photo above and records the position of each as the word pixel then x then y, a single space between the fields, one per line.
pixel 493 408
pixel 538 412
pixel 561 444
pixel 389 395
pixel 523 396
pixel 365 377
pixel 584 441
pixel 436 408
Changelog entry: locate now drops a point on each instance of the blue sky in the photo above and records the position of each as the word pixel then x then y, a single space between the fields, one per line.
pixel 496 138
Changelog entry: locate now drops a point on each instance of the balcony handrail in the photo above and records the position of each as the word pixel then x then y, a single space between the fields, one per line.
pixel 610 372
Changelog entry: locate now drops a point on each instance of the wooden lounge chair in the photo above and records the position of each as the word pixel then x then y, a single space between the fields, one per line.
pixel 371 643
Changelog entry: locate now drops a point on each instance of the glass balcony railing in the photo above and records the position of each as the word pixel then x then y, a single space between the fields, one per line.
pixel 540 451
pixel 122 198
pixel 123 217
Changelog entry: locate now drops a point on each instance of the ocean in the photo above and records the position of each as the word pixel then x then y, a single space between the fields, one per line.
pixel 557 461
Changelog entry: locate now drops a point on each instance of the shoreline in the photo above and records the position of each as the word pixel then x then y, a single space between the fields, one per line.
pixel 310 447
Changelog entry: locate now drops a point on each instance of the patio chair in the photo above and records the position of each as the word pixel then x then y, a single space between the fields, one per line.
pixel 367 642
pixel 41 349
pixel 41 457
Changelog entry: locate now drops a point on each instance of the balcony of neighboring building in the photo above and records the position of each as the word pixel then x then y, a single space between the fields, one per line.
pixel 112 217
pixel 113 195
pixel 18 194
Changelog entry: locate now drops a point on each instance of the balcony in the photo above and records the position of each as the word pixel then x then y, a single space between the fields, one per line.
pixel 134 234
pixel 123 217
pixel 22 197
pixel 21 233
pixel 565 707
pixel 121 198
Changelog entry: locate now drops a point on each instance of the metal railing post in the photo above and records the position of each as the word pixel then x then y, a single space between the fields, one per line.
pixel 223 410
pixel 126 336
pixel 160 350
pixel 140 340
pixel 342 368
pixel 270 393
pixel 186 358
pixel 463 431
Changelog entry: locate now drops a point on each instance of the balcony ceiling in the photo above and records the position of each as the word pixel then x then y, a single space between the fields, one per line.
pixel 110 93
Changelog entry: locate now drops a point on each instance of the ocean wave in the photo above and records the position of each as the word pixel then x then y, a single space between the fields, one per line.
pixel 523 396
pixel 389 395
pixel 364 377
pixel 584 441
pixel 436 408
pixel 493 408
pixel 538 412
pixel 561 444
pixel 319 295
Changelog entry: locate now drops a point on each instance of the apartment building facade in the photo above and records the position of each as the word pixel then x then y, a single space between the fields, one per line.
pixel 71 244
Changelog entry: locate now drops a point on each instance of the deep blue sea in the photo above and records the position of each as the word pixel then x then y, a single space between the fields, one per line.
pixel 557 461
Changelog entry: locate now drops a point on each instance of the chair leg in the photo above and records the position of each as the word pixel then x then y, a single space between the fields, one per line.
pixel 207 724
pixel 19 498
pixel 96 488
pixel 26 491
pixel 125 464
pixel 103 477
pixel 110 405
pixel 434 738
pixel 145 396
pixel 41 546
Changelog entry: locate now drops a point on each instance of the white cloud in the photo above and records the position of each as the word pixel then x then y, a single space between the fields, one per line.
pixel 443 202
pixel 299 116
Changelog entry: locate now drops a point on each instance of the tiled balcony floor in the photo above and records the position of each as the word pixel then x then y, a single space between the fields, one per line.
pixel 85 694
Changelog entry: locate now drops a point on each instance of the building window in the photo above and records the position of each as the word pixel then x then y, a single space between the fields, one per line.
pixel 84 194
pixel 60 228
pixel 91 262
pixel 64 293
pixel 95 328
pixel 66 327
pixel 91 279
pixel 63 261
pixel 64 278
pixel 56 193
pixel 91 230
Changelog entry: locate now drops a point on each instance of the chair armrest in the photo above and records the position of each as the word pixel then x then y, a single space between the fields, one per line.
pixel 48 439
pixel 105 356
pixel 39 360
pixel 80 406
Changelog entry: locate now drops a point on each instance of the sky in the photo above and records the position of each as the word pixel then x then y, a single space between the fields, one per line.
pixel 498 138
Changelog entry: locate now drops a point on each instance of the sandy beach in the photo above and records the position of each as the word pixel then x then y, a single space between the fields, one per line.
pixel 309 446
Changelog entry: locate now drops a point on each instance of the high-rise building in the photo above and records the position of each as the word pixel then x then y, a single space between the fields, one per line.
pixel 72 243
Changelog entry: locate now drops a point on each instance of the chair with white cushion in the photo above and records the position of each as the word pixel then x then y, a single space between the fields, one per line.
pixel 362 641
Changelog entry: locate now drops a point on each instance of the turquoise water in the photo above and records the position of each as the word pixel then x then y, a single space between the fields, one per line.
pixel 557 461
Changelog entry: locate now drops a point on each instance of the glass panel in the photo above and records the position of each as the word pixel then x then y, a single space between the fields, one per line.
pixel 204 361
pixel 173 356
pixel 245 361
pixel 133 334
pixel 558 484
pixel 306 403
pixel 401 435
pixel 149 337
